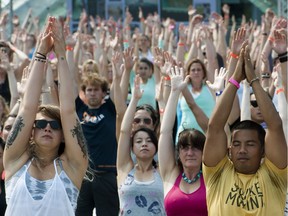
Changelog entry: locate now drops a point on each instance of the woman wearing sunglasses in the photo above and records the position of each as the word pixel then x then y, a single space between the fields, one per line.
pixel 184 188
pixel 45 157
pixel 140 186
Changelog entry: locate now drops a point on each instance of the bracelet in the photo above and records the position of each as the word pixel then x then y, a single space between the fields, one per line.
pixel 234 82
pixel 233 55
pixel 283 59
pixel 265 34
pixel 39 59
pixel 265 76
pixel 253 80
pixel 167 85
pixel 167 78
pixel 69 48
pixel 41 56
pixel 181 44
pixel 218 93
pixel 279 90
pixel 282 55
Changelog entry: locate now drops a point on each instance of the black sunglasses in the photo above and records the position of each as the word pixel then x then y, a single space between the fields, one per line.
pixel 41 124
pixel 254 103
pixel 145 120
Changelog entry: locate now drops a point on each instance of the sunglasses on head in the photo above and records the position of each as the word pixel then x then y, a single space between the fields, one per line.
pixel 254 103
pixel 41 124
pixel 145 120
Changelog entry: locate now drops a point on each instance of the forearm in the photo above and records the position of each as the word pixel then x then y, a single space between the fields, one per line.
pixel 67 100
pixel 200 116
pixel 225 102
pixel 129 116
pixel 284 77
pixel 125 83
pixel 170 112
pixel 180 52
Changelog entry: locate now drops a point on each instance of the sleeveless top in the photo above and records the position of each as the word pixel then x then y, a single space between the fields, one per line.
pixel 204 100
pixel 22 201
pixel 141 198
pixel 181 204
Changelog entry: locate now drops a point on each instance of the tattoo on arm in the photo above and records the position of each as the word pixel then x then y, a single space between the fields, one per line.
pixel 77 131
pixel 15 131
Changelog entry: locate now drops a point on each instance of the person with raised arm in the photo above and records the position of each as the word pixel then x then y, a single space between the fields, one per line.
pixel 45 156
pixel 243 181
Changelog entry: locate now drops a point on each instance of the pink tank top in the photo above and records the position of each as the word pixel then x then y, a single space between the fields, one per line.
pixel 181 204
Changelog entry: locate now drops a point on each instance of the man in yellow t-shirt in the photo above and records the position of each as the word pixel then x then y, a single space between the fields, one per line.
pixel 238 183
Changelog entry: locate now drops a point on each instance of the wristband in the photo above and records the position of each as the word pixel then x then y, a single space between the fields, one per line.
pixel 282 55
pixel 234 82
pixel 265 34
pixel 161 111
pixel 69 48
pixel 279 90
pixel 40 55
pixel 181 44
pixel 283 59
pixel 265 76
pixel 233 55
pixel 167 78
pixel 39 59
pixel 253 80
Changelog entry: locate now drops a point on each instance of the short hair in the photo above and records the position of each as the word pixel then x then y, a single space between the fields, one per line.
pixel 90 62
pixel 191 62
pixel 94 79
pixel 189 137
pixel 251 125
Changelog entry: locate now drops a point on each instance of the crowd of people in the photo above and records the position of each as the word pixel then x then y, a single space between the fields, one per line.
pixel 155 120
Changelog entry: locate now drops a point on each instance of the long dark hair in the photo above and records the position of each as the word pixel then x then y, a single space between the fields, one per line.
pixel 152 136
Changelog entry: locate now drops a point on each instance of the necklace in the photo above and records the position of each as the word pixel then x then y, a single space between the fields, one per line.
pixel 191 181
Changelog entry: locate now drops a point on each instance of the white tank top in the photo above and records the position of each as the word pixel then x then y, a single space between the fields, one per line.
pixel 55 201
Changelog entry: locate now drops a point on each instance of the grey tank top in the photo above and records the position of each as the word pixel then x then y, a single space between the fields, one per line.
pixel 142 198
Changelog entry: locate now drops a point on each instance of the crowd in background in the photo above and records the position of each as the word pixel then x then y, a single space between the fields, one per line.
pixel 154 108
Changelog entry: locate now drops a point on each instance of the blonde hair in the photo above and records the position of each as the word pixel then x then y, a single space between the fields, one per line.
pixel 95 68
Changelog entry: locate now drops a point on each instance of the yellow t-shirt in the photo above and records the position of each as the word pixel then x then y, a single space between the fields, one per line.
pixel 231 193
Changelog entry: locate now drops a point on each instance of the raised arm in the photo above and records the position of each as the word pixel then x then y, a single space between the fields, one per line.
pixel 119 100
pixel 215 147
pixel 75 147
pixel 167 162
pixel 124 160
pixel 275 143
pixel 18 141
